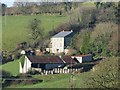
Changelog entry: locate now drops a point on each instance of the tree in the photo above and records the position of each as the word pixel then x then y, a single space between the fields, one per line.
pixel 36 30
pixel 105 75
pixel 88 18
pixel 68 6
pixel 104 36
pixel 3 9
pixel 85 44
pixel 34 9
pixel 98 4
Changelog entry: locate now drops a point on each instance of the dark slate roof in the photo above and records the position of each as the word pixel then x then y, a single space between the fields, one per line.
pixel 68 59
pixel 62 34
pixel 45 59
pixel 51 59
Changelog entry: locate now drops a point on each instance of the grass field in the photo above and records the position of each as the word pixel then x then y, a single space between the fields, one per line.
pixel 49 81
pixel 15 28
pixel 57 81
pixel 12 67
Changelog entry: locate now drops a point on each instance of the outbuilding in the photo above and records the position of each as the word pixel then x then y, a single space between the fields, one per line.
pixel 83 58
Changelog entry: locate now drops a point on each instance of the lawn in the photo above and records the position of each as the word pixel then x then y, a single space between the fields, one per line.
pixel 15 28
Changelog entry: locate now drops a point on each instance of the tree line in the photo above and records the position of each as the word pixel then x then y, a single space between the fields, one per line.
pixel 27 8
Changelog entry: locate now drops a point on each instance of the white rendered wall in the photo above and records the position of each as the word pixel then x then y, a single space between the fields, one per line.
pixel 20 68
pixel 27 65
pixel 57 44
pixel 79 59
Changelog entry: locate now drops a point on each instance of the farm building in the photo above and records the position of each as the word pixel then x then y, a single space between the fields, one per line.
pixel 60 41
pixel 41 63
pixel 83 58
pixel 44 62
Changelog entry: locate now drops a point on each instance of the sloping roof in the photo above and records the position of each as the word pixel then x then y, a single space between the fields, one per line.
pixel 62 34
pixel 45 59
pixel 51 59
pixel 68 59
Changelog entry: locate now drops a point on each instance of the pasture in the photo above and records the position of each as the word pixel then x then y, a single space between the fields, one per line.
pixel 15 28
pixel 12 67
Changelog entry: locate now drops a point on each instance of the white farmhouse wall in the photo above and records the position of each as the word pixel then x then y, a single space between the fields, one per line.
pixel 26 66
pixel 57 45
pixel 20 68
pixel 78 58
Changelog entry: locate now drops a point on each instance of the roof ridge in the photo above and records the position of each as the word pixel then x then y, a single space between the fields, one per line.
pixel 62 34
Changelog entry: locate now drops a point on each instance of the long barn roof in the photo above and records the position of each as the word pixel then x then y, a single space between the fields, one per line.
pixel 51 59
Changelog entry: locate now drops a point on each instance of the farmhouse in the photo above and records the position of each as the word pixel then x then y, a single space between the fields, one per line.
pixel 60 41
pixel 40 63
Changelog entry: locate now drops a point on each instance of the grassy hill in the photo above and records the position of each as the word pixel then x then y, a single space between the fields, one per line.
pixel 15 28
pixel 12 67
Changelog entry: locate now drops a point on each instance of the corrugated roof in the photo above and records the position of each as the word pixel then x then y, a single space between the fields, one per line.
pixel 62 34
pixel 51 59
pixel 45 59
pixel 68 59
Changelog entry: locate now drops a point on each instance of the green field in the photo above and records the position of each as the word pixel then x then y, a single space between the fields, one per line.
pixel 15 28
pixel 12 67
pixel 49 81
pixel 57 81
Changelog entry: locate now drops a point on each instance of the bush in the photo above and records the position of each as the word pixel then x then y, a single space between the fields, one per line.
pixel 23 79
pixel 5 74
pixel 105 74
pixel 33 72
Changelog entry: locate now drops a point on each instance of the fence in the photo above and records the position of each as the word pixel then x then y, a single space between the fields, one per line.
pixel 59 71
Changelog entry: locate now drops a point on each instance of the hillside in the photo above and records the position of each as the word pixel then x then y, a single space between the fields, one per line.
pixel 15 28
pixel 12 67
pixel 96 33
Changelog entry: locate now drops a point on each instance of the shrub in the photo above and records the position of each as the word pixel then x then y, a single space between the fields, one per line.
pixel 105 74
pixel 23 79
pixel 33 72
